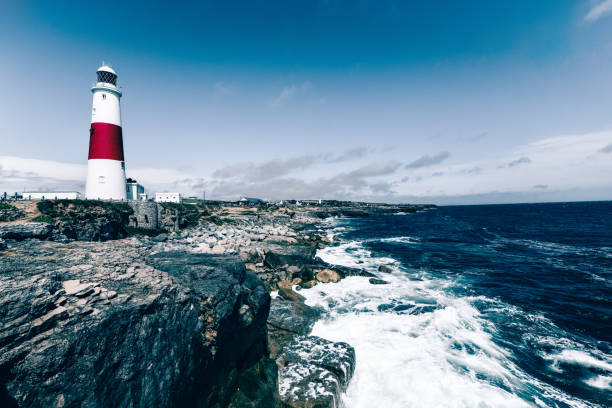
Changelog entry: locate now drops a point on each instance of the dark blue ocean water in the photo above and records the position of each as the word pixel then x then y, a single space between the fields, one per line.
pixel 539 276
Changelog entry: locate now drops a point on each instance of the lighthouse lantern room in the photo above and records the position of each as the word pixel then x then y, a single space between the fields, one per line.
pixel 106 165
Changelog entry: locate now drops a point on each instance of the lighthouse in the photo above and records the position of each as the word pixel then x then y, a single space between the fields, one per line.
pixel 105 165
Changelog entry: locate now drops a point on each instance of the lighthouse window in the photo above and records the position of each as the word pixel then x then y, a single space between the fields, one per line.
pixel 103 96
pixel 108 77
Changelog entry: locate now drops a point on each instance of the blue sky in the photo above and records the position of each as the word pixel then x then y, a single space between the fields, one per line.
pixel 441 101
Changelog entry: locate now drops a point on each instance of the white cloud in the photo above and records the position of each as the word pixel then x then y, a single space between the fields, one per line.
pixel 599 10
pixel 562 163
pixel 563 167
pixel 290 92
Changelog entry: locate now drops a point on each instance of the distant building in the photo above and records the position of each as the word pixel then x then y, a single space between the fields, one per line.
pixel 51 195
pixel 250 201
pixel 168 198
pixel 134 191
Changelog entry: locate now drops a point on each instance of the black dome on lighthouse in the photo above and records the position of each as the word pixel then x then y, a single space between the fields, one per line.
pixel 107 74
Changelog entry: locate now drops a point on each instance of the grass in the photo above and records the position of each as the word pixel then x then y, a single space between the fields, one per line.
pixel 66 209
pixel 6 206
pixel 44 218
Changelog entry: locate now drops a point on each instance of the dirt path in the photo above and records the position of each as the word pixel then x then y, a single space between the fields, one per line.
pixel 30 209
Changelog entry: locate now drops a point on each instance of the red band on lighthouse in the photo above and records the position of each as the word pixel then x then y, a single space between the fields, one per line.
pixel 105 141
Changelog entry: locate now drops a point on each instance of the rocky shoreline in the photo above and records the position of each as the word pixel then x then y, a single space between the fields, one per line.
pixel 179 319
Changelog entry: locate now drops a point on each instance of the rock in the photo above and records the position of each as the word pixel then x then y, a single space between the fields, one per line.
pixel 308 284
pixel 328 276
pixel 314 371
pixel 9 212
pixel 3 244
pixel 19 232
pixel 285 290
pixel 183 330
pixel 163 237
pixel 376 281
pixel 366 274
pixel 286 320
pixel 385 269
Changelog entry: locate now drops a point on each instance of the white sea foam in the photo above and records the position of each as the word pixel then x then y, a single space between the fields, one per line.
pixel 603 382
pixel 401 240
pixel 416 345
pixel 579 357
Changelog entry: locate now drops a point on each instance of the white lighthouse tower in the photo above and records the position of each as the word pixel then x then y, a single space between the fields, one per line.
pixel 106 165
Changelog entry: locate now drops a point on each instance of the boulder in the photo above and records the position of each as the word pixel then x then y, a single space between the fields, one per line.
pixel 384 269
pixel 285 290
pixel 286 320
pixel 376 281
pixel 308 284
pixel 314 372
pixel 328 276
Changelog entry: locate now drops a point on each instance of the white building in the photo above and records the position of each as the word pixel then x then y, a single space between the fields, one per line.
pixel 134 190
pixel 168 198
pixel 51 195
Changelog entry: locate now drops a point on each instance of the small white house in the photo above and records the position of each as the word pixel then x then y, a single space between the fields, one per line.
pixel 134 191
pixel 168 198
pixel 51 195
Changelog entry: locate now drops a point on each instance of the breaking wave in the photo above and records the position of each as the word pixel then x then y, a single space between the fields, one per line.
pixel 422 340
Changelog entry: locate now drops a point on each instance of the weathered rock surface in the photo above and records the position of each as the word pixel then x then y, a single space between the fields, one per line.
pixel 10 213
pixel 288 319
pixel 30 230
pixel 328 276
pixel 314 371
pixel 385 269
pixel 105 325
pixel 376 281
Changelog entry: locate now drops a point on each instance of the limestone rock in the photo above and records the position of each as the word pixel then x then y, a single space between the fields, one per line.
pixel 314 371
pixel 31 230
pixel 328 276
pixel 109 324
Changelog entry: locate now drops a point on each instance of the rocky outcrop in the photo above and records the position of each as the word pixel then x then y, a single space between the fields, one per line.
pixel 9 212
pixel 313 372
pixel 86 220
pixel 107 325
pixel 90 220
pixel 31 230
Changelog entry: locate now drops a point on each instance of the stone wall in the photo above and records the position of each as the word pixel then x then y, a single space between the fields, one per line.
pixel 145 215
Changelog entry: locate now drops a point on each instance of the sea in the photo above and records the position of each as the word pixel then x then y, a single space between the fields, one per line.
pixel 485 306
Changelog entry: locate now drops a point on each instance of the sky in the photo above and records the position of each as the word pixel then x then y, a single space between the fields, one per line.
pixel 445 102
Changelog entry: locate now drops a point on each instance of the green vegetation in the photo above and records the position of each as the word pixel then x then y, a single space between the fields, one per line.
pixel 84 209
pixel 44 218
pixel 214 219
pixel 6 206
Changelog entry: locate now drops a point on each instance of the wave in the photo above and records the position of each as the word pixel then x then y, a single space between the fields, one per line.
pixel 417 344
pixel 401 240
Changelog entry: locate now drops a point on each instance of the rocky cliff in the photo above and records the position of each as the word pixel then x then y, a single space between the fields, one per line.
pixel 107 325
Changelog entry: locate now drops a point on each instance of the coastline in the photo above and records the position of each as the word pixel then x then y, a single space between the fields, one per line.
pixel 223 269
